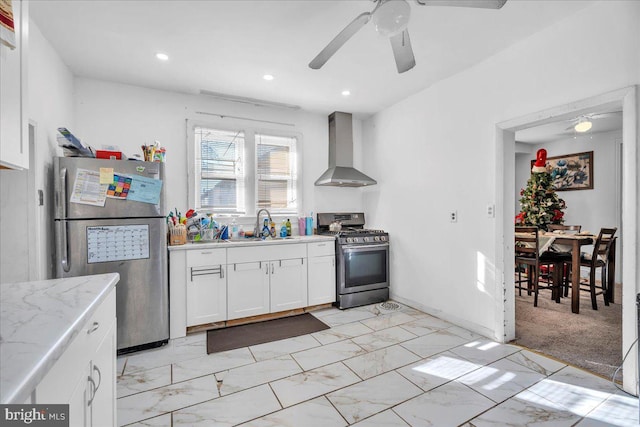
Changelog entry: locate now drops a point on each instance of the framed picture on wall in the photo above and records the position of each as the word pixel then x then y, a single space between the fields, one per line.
pixel 571 171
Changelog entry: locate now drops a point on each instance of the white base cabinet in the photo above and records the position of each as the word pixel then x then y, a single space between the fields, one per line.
pixel 322 273
pixel 247 289
pixel 85 375
pixel 266 279
pixel 206 285
pixel 288 284
pixel 209 285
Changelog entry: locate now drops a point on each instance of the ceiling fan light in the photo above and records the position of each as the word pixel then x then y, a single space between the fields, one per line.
pixel 391 17
pixel 583 125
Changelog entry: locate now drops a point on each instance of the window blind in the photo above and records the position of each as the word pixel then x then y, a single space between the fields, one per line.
pixel 219 169
pixel 276 173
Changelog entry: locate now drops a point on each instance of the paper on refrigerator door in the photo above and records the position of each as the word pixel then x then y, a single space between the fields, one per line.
pixel 87 189
pixel 146 190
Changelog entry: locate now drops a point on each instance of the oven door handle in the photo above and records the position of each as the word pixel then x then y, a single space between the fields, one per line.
pixel 382 245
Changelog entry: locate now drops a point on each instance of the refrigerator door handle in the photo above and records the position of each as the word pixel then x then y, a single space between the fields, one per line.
pixel 63 193
pixel 63 248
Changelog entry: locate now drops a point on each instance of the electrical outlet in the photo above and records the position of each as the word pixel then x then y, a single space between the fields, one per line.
pixel 453 216
pixel 491 211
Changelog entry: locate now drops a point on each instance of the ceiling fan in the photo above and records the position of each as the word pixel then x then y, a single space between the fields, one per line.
pixel 584 122
pixel 391 18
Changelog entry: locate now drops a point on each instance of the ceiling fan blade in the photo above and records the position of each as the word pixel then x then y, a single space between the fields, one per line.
pixel 484 4
pixel 342 37
pixel 402 52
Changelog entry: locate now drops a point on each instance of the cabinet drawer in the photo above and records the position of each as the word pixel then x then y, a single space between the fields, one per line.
pixel 99 324
pixel 266 253
pixel 201 257
pixel 321 248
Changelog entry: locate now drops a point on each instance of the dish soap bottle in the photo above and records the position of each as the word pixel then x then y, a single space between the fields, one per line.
pixel 288 225
pixel 273 229
pixel 283 229
pixel 265 229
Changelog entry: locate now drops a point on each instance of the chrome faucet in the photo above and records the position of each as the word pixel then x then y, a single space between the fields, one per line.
pixel 258 232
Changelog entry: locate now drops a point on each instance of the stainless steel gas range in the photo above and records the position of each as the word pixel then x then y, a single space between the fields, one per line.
pixel 362 259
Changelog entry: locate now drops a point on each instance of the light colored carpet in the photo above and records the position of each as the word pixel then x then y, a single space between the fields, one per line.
pixel 591 340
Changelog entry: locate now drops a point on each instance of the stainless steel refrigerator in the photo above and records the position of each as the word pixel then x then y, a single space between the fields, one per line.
pixel 97 234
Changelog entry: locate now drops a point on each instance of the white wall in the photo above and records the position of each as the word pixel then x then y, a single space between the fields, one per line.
pixel 51 90
pixel 129 116
pixel 448 134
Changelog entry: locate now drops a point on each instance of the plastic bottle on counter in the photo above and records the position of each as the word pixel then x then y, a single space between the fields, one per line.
pixel 272 230
pixel 265 229
pixel 288 225
pixel 240 232
pixel 283 229
pixel 233 232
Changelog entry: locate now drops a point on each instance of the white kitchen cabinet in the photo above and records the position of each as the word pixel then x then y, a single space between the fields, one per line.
pixel 14 133
pixel 288 284
pixel 247 289
pixel 266 279
pixel 102 400
pixel 322 273
pixel 206 285
pixel 85 374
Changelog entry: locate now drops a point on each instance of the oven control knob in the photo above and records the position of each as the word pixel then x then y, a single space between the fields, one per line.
pixel 349 240
pixel 383 238
pixel 366 239
pixel 376 238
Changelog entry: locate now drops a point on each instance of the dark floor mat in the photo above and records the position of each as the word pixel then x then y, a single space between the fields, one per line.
pixel 262 332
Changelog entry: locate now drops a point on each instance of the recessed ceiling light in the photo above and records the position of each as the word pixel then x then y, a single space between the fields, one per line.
pixel 162 56
pixel 268 77
pixel 346 92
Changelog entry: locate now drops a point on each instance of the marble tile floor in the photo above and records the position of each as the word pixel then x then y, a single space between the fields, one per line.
pixel 374 367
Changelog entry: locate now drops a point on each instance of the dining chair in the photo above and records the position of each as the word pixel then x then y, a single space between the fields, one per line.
pixel 598 258
pixel 527 252
pixel 568 229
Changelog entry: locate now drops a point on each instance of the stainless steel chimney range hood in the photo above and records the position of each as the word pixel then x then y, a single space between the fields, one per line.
pixel 341 172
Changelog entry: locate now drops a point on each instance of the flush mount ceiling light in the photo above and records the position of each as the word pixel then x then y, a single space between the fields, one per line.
pixel 346 93
pixel 268 77
pixel 162 56
pixel 391 17
pixel 583 125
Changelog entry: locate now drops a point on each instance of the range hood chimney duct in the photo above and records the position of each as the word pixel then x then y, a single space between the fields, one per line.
pixel 341 172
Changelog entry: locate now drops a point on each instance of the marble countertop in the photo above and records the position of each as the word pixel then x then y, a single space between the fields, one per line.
pixel 252 242
pixel 38 320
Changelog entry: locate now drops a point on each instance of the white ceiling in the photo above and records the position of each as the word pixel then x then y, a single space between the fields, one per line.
pixel 603 120
pixel 226 46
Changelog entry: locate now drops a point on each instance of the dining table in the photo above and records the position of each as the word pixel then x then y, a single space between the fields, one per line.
pixel 575 243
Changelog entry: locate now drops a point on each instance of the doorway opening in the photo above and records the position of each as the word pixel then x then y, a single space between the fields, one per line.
pixel 587 168
pixel 626 101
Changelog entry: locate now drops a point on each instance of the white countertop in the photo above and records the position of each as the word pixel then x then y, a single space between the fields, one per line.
pixel 38 320
pixel 252 242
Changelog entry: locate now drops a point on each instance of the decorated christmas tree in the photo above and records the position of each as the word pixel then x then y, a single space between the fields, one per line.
pixel 539 203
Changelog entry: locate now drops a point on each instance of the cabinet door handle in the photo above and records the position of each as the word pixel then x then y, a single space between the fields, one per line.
pixel 333 262
pixel 273 268
pixel 93 328
pixel 95 368
pixel 93 390
pixel 302 261
pixel 206 271
pixel 221 272
pixel 266 269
